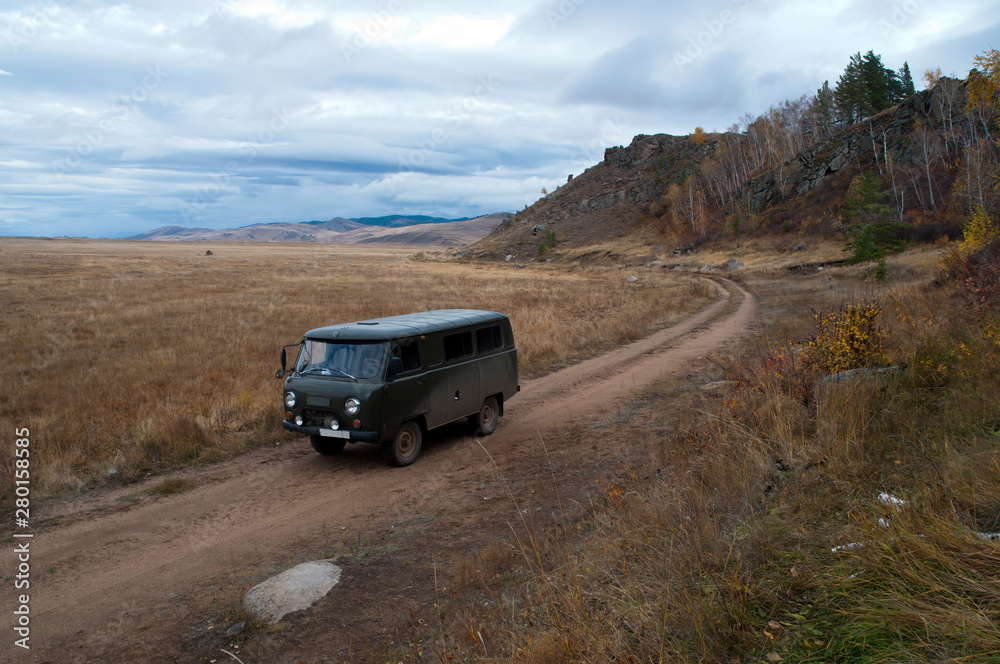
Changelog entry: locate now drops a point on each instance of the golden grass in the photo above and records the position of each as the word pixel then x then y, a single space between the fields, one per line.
pixel 728 558
pixel 141 356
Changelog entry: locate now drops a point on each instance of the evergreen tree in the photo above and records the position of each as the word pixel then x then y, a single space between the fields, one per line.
pixel 849 94
pixel 879 84
pixel 867 87
pixel 907 88
pixel 872 233
pixel 862 245
pixel 824 108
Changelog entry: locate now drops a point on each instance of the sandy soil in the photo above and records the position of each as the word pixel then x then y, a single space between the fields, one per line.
pixel 121 575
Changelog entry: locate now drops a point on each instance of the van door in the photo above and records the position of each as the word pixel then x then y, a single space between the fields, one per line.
pixel 406 394
pixel 463 396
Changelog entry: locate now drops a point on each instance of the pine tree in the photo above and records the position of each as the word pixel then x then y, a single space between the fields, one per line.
pixel 906 86
pixel 824 110
pixel 872 233
pixel 867 87
pixel 849 94
pixel 879 84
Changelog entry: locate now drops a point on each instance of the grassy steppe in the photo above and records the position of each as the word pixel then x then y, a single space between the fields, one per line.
pixel 128 358
pixel 764 538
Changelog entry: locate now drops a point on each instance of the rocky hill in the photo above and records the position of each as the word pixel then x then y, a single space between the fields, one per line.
pixel 685 188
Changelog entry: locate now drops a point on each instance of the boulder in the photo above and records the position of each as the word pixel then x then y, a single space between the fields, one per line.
pixel 732 265
pixel 294 589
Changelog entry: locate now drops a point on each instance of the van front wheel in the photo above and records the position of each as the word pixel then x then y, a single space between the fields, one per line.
pixel 327 446
pixel 404 448
pixel 485 422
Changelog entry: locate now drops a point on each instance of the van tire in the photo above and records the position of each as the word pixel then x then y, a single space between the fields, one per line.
pixel 327 446
pixel 485 422
pixel 404 448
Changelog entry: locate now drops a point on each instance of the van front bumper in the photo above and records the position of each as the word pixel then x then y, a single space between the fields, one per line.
pixel 342 434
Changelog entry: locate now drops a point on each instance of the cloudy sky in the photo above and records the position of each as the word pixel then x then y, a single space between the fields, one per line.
pixel 119 118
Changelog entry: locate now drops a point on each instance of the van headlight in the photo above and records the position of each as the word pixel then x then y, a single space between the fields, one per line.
pixel 352 405
pixel 290 399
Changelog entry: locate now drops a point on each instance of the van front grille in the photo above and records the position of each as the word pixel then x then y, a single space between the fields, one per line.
pixel 317 418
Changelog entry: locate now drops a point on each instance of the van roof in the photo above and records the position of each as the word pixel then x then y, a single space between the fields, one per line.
pixel 407 325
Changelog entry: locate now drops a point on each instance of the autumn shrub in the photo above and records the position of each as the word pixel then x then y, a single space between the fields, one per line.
pixel 973 259
pixel 848 338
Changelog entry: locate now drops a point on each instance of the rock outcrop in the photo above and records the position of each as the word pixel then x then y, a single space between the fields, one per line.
pixel 892 133
pixel 629 187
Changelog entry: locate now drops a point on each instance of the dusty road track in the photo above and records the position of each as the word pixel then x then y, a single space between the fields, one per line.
pixel 104 572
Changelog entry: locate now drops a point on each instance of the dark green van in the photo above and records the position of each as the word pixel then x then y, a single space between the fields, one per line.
pixel 389 380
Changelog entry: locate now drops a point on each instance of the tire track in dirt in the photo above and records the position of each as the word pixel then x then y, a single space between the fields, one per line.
pixel 118 569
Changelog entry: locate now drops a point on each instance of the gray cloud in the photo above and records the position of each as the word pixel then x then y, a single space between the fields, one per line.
pixel 123 117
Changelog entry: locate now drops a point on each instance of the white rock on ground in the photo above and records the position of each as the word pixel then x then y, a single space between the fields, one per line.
pixel 294 589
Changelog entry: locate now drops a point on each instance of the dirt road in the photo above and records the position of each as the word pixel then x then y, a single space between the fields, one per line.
pixel 123 576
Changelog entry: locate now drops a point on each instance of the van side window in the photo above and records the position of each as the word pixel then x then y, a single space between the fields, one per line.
pixel 407 352
pixel 489 338
pixel 457 345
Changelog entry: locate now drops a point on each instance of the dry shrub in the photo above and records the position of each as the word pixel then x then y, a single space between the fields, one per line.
pixel 849 338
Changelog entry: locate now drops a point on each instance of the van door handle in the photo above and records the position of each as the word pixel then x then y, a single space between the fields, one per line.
pixel 456 396
pixel 421 381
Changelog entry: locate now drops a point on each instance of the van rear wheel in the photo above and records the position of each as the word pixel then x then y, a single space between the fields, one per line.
pixel 404 448
pixel 485 422
pixel 327 446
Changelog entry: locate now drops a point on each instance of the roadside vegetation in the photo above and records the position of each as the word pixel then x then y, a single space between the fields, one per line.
pixel 127 359
pixel 838 501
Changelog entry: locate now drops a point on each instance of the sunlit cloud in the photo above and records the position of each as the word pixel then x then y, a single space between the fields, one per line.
pixel 460 32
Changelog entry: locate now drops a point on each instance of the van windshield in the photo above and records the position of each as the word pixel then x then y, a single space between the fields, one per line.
pixel 352 360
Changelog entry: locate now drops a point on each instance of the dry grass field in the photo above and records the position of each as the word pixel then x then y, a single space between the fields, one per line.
pixel 127 358
pixel 769 536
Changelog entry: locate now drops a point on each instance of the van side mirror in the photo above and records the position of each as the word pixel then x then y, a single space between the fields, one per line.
pixel 395 367
pixel 284 359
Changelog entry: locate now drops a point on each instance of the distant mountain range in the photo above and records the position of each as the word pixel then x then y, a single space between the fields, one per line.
pixel 392 229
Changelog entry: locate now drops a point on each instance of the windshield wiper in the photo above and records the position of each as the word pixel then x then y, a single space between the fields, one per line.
pixel 326 370
pixel 354 378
